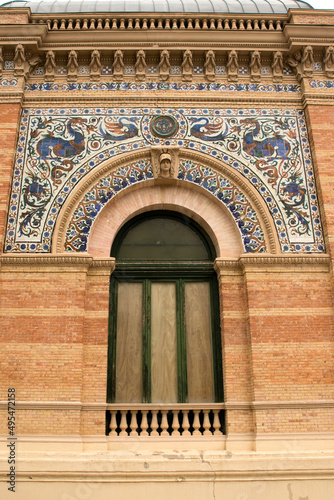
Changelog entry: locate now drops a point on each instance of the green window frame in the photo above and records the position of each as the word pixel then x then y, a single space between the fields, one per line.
pixel 180 273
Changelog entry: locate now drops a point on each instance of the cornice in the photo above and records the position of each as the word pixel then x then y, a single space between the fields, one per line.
pixel 290 262
pixel 227 99
pixel 286 262
pixel 228 405
pixel 59 261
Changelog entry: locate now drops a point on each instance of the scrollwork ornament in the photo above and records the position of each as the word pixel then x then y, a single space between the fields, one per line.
pixel 50 65
pixel 187 66
pixel 277 66
pixel 232 66
pixel 140 66
pixel 164 65
pixel 72 65
pixel 329 61
pixel 210 65
pixel 95 65
pixel 307 61
pixel 255 66
pixel 19 59
pixel 118 65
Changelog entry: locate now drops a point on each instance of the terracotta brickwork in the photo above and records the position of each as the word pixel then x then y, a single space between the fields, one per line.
pixel 321 126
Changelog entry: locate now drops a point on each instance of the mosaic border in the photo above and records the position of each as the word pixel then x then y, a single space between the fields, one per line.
pixel 106 188
pixel 156 86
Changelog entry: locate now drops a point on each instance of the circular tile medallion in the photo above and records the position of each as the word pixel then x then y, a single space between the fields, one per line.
pixel 164 126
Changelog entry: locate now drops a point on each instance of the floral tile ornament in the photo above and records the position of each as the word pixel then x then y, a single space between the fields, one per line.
pixel 269 148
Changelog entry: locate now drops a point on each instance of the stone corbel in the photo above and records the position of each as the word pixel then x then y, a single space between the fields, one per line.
pixel 255 66
pixel 50 66
pixel 307 61
pixel 187 66
pixel 164 65
pixel 20 60
pixel 72 66
pixel 140 66
pixel 277 66
pixel 232 66
pixel 165 162
pixel 95 65
pixel 210 65
pixel 118 65
pixel 329 62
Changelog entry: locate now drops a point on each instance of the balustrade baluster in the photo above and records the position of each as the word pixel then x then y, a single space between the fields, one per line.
pixel 185 424
pixel 206 423
pixel 144 423
pixel 164 423
pixel 133 423
pixel 113 423
pixel 123 424
pixel 216 422
pixel 174 423
pixel 154 423
pixel 196 424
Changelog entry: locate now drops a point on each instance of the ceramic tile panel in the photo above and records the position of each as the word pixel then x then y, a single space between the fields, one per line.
pixel 268 148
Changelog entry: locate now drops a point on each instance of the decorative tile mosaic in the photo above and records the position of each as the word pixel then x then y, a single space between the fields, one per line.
pixel 61 70
pixel 321 84
pixel 8 82
pixel 220 70
pixel 265 70
pixel 106 70
pixel 156 86
pixel 317 66
pixel 129 70
pixel 287 71
pixel 106 188
pixel 58 147
pixel 39 71
pixel 152 70
pixel 9 65
pixel 243 70
pixel 198 70
pixel 175 70
pixel 83 70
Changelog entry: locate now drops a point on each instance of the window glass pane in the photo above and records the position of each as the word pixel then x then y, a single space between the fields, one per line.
pixel 161 238
pixel 163 343
pixel 199 342
pixel 129 343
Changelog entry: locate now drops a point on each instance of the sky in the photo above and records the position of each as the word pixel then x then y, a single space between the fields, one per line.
pixel 321 4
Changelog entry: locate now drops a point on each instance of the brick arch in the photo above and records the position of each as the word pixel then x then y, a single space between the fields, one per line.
pixel 222 198
pixel 148 197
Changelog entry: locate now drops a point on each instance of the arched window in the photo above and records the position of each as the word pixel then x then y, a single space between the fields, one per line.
pixel 164 331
